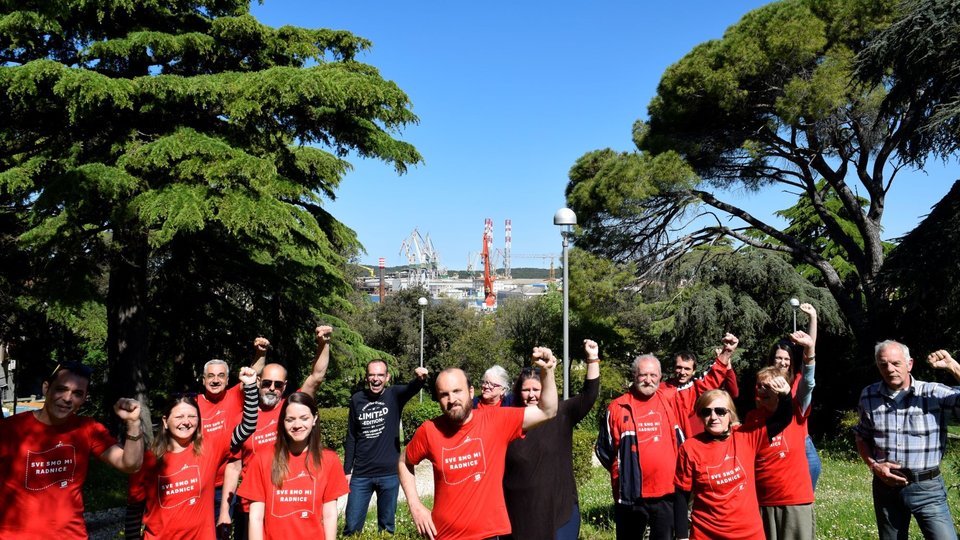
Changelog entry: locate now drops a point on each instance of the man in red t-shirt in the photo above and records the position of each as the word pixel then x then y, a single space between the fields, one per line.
pixel 467 448
pixel 689 386
pixel 273 382
pixel 44 457
pixel 220 411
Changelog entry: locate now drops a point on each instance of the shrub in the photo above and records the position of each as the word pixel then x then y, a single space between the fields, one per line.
pixel 333 427
pixel 416 413
pixel 583 441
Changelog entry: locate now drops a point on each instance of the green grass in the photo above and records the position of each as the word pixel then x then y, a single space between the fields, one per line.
pixel 844 504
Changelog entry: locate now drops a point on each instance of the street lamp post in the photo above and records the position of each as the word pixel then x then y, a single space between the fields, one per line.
pixel 566 219
pixel 794 303
pixel 422 302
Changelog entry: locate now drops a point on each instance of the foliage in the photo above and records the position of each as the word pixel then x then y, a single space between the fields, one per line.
pixel 333 423
pixel 583 442
pixel 922 281
pixel 416 413
pixel 918 59
pixel 163 168
pixel 770 105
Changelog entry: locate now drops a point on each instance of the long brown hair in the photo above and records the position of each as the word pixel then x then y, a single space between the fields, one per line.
pixel 161 445
pixel 281 450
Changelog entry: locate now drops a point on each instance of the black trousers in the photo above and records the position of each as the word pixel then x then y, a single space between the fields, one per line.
pixel 656 513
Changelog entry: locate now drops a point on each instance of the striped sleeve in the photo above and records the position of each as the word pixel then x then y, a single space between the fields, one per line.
pixel 248 423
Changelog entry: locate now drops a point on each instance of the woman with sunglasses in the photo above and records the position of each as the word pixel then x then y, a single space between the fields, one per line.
pixel 175 485
pixel 538 482
pixel 288 486
pixel 493 389
pixel 717 466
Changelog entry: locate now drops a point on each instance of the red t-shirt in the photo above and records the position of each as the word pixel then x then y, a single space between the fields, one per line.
pixel 221 417
pixel 720 473
pixel 295 510
pixel 42 470
pixel 179 491
pixel 782 462
pixel 468 471
pixel 653 422
pixel 261 442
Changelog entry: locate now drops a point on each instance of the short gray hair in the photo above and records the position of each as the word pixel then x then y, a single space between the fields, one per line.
pixel 890 343
pixel 216 362
pixel 498 375
pixel 644 358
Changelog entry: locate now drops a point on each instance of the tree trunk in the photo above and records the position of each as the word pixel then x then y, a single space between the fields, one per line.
pixel 127 300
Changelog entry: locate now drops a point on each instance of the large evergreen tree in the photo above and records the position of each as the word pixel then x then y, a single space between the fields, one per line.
pixel 771 105
pixel 169 159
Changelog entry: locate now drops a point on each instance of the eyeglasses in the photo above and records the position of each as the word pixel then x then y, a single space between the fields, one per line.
pixel 719 411
pixel 488 384
pixel 267 383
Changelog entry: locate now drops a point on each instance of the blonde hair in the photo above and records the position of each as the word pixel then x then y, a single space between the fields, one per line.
pixel 711 395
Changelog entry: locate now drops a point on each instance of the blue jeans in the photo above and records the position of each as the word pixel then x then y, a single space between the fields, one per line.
pixel 361 489
pixel 223 533
pixel 571 529
pixel 813 461
pixel 926 500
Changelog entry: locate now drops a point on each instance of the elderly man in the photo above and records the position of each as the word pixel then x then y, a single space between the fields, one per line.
pixel 468 449
pixel 44 457
pixel 221 409
pixel 638 444
pixel 273 382
pixel 902 436
pixel 373 446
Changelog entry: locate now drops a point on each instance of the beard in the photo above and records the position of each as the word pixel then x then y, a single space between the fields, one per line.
pixel 459 414
pixel 270 399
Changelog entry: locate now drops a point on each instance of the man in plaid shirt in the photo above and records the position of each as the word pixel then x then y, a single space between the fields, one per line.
pixel 902 436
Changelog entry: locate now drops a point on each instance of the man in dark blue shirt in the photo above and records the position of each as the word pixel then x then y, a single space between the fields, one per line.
pixel 372 449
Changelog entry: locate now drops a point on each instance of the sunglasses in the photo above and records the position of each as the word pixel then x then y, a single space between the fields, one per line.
pixel 719 411
pixel 267 383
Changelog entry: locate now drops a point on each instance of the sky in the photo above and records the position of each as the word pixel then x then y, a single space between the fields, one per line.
pixel 509 95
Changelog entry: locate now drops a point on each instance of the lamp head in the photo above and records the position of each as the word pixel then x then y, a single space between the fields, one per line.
pixel 422 301
pixel 794 303
pixel 565 216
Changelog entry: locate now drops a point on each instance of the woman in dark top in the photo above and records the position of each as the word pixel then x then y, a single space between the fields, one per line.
pixel 538 482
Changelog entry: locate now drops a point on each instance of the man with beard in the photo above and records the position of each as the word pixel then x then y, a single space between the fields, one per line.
pixel 272 382
pixel 44 456
pixel 638 444
pixel 373 446
pixel 467 449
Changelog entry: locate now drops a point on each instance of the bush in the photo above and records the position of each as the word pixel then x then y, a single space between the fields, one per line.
pixel 583 441
pixel 333 427
pixel 416 413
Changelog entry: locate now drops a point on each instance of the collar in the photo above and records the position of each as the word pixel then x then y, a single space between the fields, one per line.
pixel 912 388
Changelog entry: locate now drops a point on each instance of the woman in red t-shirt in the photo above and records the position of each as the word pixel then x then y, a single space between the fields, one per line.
pixel 717 466
pixel 293 491
pixel 786 356
pixel 172 494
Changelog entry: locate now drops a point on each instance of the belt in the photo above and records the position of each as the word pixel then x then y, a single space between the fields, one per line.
pixel 917 476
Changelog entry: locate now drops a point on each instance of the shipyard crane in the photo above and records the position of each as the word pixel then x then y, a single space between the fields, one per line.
pixel 490 298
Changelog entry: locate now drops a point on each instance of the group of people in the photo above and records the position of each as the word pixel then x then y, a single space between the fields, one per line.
pixel 682 463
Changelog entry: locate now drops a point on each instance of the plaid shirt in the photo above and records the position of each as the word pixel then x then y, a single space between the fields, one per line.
pixel 911 428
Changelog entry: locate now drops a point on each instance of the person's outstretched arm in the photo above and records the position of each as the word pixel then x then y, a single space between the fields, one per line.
pixel 320 361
